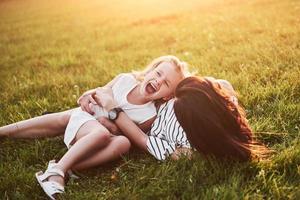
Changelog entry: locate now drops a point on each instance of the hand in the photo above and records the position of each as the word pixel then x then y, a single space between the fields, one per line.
pixel 181 151
pixel 84 102
pixel 105 98
pixel 112 127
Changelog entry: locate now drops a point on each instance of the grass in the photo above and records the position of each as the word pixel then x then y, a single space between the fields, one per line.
pixel 53 51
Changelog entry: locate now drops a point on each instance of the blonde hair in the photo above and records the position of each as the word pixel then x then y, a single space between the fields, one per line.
pixel 179 65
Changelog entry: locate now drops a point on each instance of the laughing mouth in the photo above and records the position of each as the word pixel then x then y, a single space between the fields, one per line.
pixel 151 88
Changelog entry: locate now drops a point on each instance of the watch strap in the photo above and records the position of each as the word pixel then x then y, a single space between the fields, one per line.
pixel 117 110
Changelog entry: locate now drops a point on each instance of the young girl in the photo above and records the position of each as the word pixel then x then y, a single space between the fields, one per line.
pixel 159 80
pixel 89 142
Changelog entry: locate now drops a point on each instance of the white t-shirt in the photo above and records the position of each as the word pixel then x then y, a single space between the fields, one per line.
pixel 137 113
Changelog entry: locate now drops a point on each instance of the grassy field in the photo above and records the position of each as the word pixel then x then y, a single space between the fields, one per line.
pixel 53 51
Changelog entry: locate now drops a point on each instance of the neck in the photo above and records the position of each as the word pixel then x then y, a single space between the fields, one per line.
pixel 135 97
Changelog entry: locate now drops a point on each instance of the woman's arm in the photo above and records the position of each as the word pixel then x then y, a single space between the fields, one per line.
pixel 146 126
pixel 182 151
pixel 87 97
pixel 114 129
pixel 138 137
pixel 134 133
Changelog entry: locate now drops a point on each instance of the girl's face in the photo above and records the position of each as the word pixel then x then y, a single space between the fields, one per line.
pixel 161 82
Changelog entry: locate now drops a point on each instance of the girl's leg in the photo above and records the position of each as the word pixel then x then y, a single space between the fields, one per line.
pixel 118 145
pixel 96 136
pixel 49 125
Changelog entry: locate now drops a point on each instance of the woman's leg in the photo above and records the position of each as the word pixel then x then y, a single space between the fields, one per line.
pixel 95 136
pixel 49 125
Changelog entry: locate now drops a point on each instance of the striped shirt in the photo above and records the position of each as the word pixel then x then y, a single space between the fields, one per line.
pixel 166 134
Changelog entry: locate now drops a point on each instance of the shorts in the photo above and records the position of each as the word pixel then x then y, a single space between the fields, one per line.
pixel 77 119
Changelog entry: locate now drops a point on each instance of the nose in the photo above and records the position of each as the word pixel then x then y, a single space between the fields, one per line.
pixel 159 80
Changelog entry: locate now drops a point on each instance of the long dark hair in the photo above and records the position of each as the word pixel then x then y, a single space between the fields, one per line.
pixel 213 123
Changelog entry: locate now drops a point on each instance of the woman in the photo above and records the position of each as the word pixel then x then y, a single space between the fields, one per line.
pixel 204 115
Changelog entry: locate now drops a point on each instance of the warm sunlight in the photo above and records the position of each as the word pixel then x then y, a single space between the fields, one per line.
pixel 95 102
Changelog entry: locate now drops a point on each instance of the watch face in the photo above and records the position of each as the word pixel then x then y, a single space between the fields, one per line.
pixel 112 115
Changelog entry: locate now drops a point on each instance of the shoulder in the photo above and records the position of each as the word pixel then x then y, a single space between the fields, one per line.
pixel 125 77
pixel 222 83
pixel 162 119
pixel 166 106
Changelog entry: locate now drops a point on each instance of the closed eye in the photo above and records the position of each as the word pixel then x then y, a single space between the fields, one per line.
pixel 158 73
pixel 167 84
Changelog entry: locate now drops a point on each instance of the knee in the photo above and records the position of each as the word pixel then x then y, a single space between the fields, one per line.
pixel 62 119
pixel 123 144
pixel 102 135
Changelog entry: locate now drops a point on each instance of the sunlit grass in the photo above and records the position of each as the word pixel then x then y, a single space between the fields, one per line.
pixel 52 51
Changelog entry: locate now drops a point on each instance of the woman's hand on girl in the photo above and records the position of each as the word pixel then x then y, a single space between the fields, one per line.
pixel 104 97
pixel 84 102
pixel 112 127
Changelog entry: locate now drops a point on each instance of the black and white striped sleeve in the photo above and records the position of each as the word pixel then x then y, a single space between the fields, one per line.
pixel 166 133
pixel 175 132
pixel 181 138
pixel 159 147
pixel 158 144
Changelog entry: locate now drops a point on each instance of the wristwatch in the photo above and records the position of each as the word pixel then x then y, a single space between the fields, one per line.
pixel 113 114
